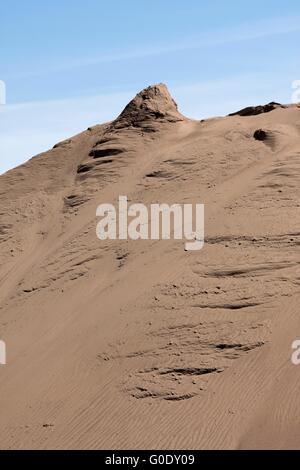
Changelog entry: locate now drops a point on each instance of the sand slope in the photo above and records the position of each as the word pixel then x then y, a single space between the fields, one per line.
pixel 139 344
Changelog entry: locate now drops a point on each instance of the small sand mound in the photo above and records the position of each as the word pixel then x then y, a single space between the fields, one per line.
pixel 255 110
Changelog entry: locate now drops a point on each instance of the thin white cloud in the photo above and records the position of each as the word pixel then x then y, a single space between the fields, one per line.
pixel 245 32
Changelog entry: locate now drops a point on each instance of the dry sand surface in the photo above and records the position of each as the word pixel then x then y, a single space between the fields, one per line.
pixel 138 344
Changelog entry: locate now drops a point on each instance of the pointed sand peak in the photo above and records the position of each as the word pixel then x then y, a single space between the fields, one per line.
pixel 151 104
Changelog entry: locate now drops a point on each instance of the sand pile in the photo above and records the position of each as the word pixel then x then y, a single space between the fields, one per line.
pixel 121 344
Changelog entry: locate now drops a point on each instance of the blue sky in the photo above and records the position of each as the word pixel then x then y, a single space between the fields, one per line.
pixel 71 64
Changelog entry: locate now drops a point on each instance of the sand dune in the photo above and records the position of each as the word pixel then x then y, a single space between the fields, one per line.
pixel 127 344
